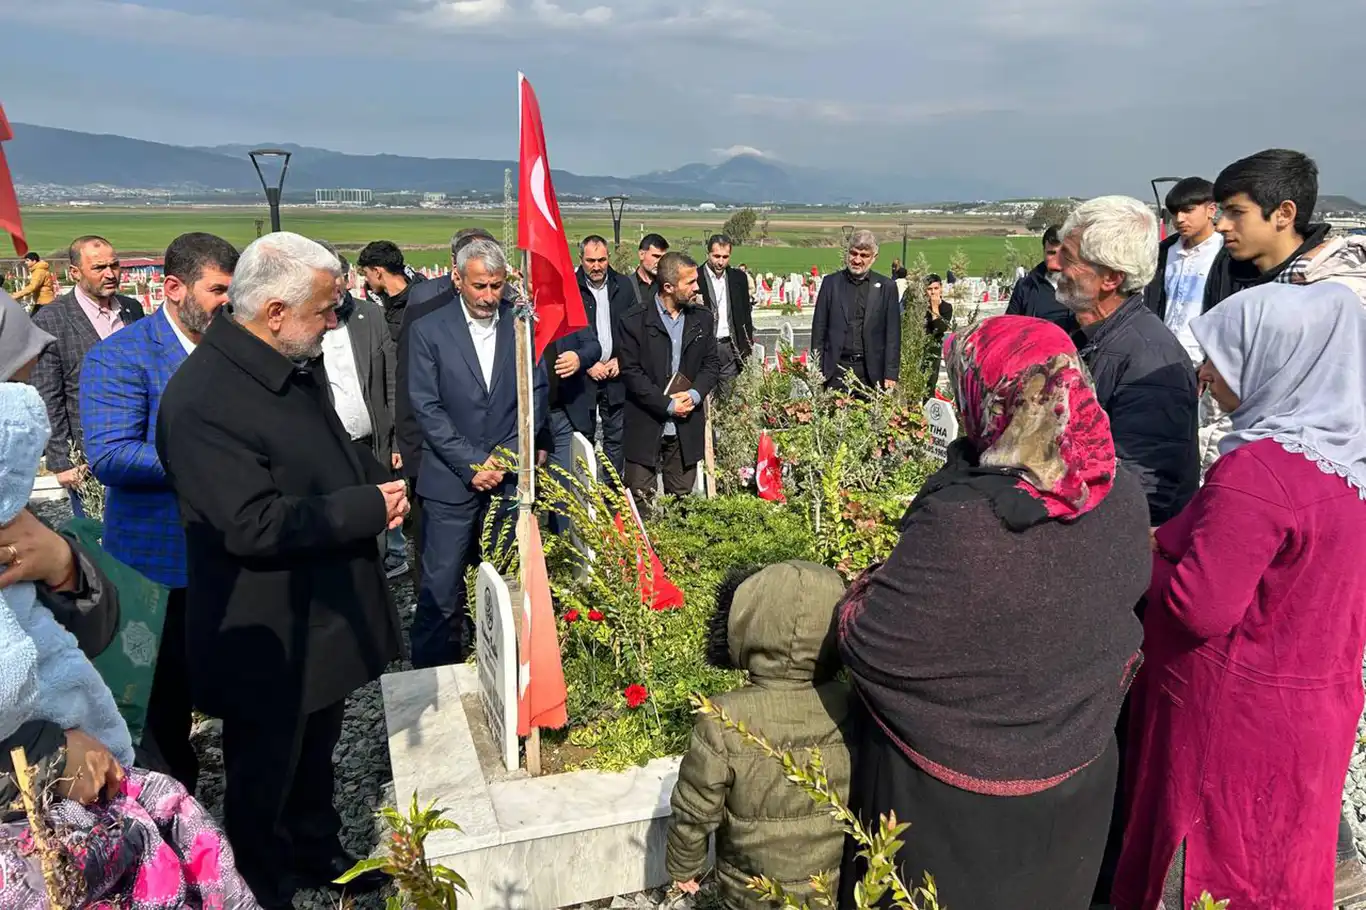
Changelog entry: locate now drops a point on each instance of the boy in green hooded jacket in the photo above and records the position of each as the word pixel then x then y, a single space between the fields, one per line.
pixel 778 624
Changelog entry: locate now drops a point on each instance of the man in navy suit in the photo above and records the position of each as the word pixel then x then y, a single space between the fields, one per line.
pixel 123 380
pixel 462 384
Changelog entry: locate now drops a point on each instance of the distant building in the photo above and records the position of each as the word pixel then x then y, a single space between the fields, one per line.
pixel 707 207
pixel 433 198
pixel 342 197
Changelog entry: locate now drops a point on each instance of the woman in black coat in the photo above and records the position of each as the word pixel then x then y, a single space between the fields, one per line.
pixel 995 645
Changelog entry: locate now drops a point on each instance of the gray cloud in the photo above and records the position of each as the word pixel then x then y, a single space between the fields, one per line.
pixel 1077 96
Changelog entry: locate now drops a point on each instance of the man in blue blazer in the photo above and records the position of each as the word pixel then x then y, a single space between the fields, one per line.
pixel 123 378
pixel 462 385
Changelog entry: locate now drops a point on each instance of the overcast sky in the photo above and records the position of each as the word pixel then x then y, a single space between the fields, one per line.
pixel 1047 96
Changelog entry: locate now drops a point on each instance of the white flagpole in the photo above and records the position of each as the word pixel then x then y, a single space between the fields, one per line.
pixel 526 445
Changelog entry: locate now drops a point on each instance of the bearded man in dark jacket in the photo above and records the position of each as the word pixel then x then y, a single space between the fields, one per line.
pixel 1143 376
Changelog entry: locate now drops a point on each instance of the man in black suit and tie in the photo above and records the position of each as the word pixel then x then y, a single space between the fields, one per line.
pixel 462 383
pixel 725 291
pixel 665 338
pixel 79 319
pixel 857 324
pixel 607 298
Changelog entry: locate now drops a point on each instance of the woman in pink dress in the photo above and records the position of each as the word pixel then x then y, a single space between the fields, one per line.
pixel 1245 712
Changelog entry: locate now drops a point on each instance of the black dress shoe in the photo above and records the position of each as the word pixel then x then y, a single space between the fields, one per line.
pixel 315 873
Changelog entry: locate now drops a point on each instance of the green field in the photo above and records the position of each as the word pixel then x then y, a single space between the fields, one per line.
pixel 424 234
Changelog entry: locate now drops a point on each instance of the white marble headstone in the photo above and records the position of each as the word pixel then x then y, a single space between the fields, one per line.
pixel 788 336
pixel 943 424
pixel 585 470
pixel 497 662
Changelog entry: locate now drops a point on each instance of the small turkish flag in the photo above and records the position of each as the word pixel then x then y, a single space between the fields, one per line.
pixel 656 591
pixel 9 203
pixel 540 231
pixel 768 471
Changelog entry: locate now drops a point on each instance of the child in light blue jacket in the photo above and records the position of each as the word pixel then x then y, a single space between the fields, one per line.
pixel 44 675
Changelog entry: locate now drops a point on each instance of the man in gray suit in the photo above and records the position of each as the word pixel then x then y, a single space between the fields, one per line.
pixel 92 311
pixel 359 358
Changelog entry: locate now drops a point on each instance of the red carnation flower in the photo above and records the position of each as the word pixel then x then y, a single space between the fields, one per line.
pixel 596 616
pixel 571 616
pixel 636 694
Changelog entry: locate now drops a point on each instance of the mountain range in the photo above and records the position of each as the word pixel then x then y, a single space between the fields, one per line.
pixel 47 155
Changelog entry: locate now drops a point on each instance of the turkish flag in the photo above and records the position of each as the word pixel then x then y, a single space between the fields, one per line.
pixel 554 287
pixel 656 591
pixel 768 471
pixel 541 692
pixel 9 203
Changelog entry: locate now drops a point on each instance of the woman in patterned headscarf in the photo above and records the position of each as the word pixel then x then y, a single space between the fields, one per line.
pixel 994 647
pixel 1246 713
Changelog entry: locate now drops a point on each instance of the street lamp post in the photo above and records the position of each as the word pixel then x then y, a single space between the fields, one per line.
pixel 905 226
pixel 272 192
pixel 618 206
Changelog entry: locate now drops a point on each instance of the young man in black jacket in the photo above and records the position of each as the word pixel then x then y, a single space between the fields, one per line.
pixel 1036 293
pixel 386 275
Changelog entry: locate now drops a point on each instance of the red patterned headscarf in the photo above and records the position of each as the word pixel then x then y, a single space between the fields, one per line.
pixel 1029 410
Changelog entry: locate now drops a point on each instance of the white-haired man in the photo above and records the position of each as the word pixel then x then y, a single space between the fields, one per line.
pixel 462 383
pixel 288 607
pixel 856 328
pixel 1144 379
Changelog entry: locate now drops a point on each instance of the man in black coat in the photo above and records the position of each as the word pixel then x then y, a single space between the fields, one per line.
pixel 669 365
pixel 725 291
pixel 652 248
pixel 857 324
pixel 607 298
pixel 463 385
pixel 387 276
pixel 78 320
pixel 1036 293
pixel 1143 376
pixel 288 608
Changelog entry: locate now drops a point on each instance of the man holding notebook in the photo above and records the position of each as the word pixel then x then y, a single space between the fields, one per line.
pixel 667 354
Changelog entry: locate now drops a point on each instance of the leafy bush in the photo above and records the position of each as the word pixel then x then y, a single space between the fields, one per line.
pixel 852 460
pixel 631 669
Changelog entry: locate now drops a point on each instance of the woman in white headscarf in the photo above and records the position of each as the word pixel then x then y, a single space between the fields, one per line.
pixel 1245 712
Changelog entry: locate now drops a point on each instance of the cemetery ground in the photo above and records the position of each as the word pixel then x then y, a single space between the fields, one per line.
pixel 796 240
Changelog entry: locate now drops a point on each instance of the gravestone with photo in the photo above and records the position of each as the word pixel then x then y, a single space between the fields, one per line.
pixel 497 662
pixel 943 424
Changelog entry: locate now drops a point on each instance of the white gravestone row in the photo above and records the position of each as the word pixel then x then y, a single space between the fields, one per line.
pixel 943 424
pixel 497 663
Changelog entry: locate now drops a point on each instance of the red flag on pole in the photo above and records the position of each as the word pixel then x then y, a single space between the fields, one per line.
pixel 540 231
pixel 9 203
pixel 768 471
pixel 656 591
pixel 541 692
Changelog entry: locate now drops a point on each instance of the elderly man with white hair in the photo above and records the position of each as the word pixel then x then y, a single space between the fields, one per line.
pixel 856 329
pixel 1144 379
pixel 287 608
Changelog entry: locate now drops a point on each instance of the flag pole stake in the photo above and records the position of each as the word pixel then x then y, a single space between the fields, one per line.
pixel 709 455
pixel 526 461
